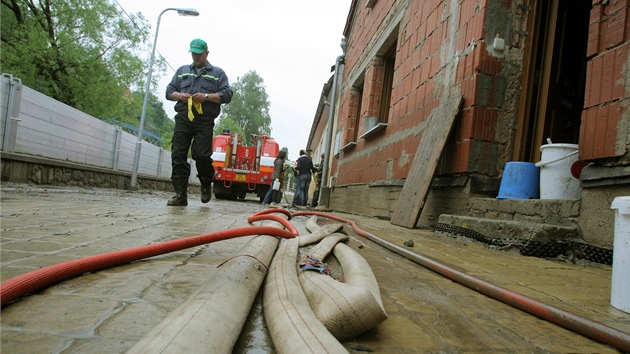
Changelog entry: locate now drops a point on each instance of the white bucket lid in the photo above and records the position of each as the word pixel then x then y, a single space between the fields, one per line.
pixel 570 146
pixel 622 204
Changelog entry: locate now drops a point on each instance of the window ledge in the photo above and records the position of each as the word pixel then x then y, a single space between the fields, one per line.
pixel 348 145
pixel 376 128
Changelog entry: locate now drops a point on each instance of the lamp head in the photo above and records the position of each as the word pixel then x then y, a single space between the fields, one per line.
pixel 184 11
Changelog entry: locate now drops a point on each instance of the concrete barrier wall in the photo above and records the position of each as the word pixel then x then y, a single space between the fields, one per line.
pixel 35 124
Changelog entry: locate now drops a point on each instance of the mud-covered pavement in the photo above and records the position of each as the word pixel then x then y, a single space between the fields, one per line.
pixel 110 310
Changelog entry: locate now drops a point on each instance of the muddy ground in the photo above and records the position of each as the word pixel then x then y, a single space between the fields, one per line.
pixel 108 311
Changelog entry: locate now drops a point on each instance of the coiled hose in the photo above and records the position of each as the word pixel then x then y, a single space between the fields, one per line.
pixel 212 318
pixel 575 323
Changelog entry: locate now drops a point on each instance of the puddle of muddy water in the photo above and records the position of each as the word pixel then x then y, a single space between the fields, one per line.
pixel 255 338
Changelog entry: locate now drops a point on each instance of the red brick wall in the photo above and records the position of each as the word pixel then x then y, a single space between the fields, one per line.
pixel 373 88
pixel 348 121
pixel 420 66
pixel 424 34
pixel 606 100
pixel 471 147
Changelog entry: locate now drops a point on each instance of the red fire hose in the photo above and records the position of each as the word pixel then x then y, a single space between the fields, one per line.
pixel 575 323
pixel 265 215
pixel 21 285
pixel 274 210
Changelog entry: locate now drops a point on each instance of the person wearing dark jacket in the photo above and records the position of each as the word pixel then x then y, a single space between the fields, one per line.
pixel 304 174
pixel 198 89
pixel 276 176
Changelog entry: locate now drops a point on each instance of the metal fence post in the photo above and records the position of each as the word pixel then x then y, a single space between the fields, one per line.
pixel 117 140
pixel 12 113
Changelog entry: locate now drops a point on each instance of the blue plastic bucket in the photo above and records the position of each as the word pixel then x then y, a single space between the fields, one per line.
pixel 521 180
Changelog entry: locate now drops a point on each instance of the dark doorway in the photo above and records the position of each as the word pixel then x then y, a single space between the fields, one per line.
pixel 554 76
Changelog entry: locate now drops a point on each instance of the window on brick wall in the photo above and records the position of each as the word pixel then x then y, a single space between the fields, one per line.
pixel 357 113
pixel 338 142
pixel 388 82
pixel 354 114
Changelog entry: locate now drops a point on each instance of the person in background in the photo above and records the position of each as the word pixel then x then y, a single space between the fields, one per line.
pixel 318 182
pixel 304 174
pixel 276 176
pixel 198 89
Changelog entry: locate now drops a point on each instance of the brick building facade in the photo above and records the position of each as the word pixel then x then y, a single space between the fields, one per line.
pixel 529 71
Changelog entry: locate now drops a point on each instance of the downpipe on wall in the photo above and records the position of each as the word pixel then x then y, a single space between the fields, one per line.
pixel 331 113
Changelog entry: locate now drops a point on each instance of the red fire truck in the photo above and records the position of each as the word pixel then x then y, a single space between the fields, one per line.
pixel 240 169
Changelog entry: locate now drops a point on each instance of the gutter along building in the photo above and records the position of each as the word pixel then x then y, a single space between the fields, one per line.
pixel 528 72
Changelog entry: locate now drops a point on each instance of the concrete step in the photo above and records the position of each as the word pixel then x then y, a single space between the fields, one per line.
pixel 562 212
pixel 540 228
pixel 500 231
pixel 540 220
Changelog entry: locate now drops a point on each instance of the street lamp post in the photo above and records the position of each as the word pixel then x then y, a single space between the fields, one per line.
pixel 136 157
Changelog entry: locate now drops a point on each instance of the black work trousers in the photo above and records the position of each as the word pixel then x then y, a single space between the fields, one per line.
pixel 198 134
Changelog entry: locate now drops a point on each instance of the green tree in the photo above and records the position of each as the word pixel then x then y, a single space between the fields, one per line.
pixel 249 108
pixel 84 53
pixel 156 120
pixel 226 123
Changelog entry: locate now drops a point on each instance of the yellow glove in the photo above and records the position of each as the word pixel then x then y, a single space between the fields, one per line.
pixel 197 106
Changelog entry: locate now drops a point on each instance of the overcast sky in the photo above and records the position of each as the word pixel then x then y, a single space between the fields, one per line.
pixel 291 44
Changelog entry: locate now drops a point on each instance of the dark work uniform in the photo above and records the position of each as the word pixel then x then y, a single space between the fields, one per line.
pixel 305 170
pixel 198 132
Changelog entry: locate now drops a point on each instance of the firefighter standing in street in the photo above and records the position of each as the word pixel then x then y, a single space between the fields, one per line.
pixel 199 90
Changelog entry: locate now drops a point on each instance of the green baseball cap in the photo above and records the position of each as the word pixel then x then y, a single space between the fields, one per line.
pixel 198 46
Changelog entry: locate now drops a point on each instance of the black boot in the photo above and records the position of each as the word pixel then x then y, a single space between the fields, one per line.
pixel 181 197
pixel 206 188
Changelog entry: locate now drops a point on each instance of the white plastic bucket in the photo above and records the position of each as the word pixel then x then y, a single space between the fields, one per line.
pixel 556 180
pixel 620 289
